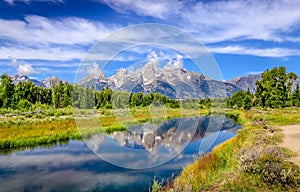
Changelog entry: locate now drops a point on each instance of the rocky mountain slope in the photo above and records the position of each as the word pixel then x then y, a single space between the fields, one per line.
pixel 23 78
pixel 171 81
pixel 48 82
pixel 246 82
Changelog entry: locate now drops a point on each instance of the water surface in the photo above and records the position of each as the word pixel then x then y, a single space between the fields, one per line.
pixel 74 167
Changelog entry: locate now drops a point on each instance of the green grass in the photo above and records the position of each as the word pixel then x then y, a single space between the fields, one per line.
pixel 226 169
pixel 48 128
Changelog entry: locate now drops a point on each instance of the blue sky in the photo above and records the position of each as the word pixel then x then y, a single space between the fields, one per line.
pixel 42 38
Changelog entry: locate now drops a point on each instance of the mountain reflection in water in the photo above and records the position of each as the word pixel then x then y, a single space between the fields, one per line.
pixel 73 167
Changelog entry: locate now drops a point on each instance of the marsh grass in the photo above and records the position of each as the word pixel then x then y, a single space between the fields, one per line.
pixel 56 125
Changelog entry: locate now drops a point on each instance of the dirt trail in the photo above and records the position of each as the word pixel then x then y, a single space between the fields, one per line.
pixel 292 140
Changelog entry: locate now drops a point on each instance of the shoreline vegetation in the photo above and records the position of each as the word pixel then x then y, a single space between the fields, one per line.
pixel 250 161
pixel 22 131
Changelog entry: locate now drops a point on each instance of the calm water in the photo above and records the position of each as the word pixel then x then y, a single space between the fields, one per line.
pixel 74 167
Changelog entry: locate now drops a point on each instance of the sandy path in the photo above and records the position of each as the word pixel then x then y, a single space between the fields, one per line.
pixel 292 140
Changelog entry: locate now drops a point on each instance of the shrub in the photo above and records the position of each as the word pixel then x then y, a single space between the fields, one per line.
pixel 233 115
pixel 269 164
pixel 24 104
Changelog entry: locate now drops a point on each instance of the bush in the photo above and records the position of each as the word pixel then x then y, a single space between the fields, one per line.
pixel 233 115
pixel 24 104
pixel 269 165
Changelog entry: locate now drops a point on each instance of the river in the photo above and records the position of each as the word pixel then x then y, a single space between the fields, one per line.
pixel 73 166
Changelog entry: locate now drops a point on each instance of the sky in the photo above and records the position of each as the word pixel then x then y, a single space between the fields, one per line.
pixel 42 38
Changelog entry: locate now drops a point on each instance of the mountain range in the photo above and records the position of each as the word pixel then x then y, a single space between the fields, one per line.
pixel 47 83
pixel 171 81
pixel 174 82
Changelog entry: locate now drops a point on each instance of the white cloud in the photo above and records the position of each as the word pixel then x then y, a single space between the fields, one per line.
pixel 59 53
pixel 36 30
pixel 43 38
pixel 12 2
pixel 223 20
pixel 152 55
pixel 215 21
pixel 267 52
pixel 154 8
pixel 179 62
pixel 254 72
pixel 22 68
pixel 25 69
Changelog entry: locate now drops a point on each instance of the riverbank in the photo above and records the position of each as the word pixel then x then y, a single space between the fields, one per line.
pixel 29 131
pixel 251 161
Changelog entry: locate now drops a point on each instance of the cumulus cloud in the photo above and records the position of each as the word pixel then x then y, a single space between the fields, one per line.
pixel 153 58
pixel 152 55
pixel 178 62
pixel 22 68
pixel 25 69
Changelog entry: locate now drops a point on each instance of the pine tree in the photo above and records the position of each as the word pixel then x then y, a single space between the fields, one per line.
pixel 6 91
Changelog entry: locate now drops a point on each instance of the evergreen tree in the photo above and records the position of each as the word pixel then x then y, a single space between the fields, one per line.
pixel 6 91
pixel 296 97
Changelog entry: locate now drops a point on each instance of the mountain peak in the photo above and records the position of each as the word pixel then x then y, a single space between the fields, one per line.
pixel 49 81
pixel 20 77
pixel 246 82
pixel 24 78
pixel 172 81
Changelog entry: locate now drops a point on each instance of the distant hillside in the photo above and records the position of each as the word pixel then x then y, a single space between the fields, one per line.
pixel 248 81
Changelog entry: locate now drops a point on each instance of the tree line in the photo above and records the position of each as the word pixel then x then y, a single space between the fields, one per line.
pixel 274 90
pixel 63 94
